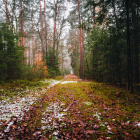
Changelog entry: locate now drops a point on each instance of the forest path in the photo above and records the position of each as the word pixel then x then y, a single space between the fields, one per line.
pixel 75 109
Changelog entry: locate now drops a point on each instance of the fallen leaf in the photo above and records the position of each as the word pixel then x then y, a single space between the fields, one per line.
pixel 90 132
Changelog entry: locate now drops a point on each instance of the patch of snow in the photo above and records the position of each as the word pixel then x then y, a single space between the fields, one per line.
pixel 108 127
pixel 8 127
pixel 137 124
pixel 37 133
pixel 53 112
pixel 55 133
pixel 88 103
pixel 7 110
pixel 97 116
pixel 1 135
pixel 54 82
pixel 109 132
pixel 65 82
pixel 17 105
pixel 47 81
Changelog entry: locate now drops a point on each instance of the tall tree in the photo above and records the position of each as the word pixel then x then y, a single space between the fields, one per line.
pixel 130 73
pixel 21 14
pixel 54 33
pixel 42 37
pixel 93 14
pixel 81 45
pixel 45 25
pixel 29 47
pixel 135 42
pixel 7 18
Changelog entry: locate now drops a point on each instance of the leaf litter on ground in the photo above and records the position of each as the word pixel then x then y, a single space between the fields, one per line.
pixel 82 110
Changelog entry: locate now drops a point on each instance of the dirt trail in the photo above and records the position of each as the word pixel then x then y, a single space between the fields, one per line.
pixel 69 110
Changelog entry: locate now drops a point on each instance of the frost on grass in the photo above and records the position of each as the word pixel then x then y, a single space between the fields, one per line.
pixel 16 106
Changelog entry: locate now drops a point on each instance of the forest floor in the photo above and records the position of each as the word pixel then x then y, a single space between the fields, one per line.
pixel 73 109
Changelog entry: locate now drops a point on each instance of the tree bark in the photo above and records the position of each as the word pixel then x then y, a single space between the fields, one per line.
pixel 88 67
pixel 135 44
pixel 54 33
pixel 80 45
pixel 21 22
pixel 130 73
pixel 42 38
pixel 94 15
pixel 7 19
pixel 45 25
pixel 29 44
pixel 32 40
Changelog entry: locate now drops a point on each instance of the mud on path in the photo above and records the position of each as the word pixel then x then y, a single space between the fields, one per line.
pixel 72 110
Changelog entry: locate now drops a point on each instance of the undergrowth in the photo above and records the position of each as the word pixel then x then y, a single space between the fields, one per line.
pixel 14 87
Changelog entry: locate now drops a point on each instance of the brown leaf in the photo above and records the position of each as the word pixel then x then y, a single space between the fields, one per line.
pixel 13 126
pixel 127 134
pixel 25 124
pixel 4 124
pixel 100 139
pixel 96 126
pixel 43 139
pixel 36 133
pixel 39 106
pixel 90 132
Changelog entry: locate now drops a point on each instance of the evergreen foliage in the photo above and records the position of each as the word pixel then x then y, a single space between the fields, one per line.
pixel 52 71
pixel 111 46
pixel 108 56
pixel 11 55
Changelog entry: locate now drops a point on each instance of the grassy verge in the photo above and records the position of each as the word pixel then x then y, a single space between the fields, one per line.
pixel 14 87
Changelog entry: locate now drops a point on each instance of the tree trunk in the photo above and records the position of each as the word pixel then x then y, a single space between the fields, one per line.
pixel 135 44
pixel 25 53
pixel 57 35
pixel 32 40
pixel 54 33
pixel 80 45
pixel 130 73
pixel 7 19
pixel 94 15
pixel 88 66
pixel 29 44
pixel 83 63
pixel 42 38
pixel 21 22
pixel 45 25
